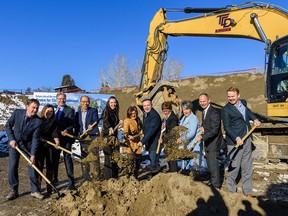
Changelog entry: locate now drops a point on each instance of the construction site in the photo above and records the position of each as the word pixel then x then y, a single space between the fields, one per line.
pixel 187 192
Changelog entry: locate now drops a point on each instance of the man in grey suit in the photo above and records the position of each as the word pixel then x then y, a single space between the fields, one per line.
pixel 236 116
pixel 23 130
pixel 212 137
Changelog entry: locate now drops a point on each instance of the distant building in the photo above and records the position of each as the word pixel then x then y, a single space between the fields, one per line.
pixel 11 92
pixel 69 89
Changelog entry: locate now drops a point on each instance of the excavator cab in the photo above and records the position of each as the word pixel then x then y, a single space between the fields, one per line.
pixel 277 78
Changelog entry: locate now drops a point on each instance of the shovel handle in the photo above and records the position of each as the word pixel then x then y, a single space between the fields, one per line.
pixel 86 131
pixel 71 136
pixel 159 140
pixel 247 135
pixel 37 170
pixel 28 160
pixel 117 126
pixel 61 148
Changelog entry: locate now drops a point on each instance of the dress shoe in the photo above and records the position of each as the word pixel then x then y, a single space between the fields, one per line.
pixel 72 187
pixel 37 195
pixel 12 195
pixel 55 181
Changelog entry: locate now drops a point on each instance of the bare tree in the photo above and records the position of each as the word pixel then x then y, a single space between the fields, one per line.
pixel 136 73
pixel 43 89
pixel 117 73
pixel 172 69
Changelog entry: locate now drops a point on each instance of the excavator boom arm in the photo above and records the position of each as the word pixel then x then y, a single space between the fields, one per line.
pixel 262 22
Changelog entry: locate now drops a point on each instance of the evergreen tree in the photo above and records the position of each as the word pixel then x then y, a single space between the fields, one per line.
pixel 28 90
pixel 67 80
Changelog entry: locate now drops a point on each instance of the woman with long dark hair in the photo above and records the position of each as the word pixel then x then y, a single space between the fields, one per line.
pixel 110 117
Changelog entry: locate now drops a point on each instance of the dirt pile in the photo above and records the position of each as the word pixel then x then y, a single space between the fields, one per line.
pixel 164 194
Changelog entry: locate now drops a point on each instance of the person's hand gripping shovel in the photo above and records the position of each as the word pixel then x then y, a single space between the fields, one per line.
pixel 229 155
pixel 163 128
pixel 61 148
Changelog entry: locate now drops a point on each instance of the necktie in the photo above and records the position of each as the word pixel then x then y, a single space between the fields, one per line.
pixel 27 120
pixel 58 114
pixel 203 115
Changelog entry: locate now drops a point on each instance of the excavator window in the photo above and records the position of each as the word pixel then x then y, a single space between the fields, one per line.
pixel 280 68
pixel 280 60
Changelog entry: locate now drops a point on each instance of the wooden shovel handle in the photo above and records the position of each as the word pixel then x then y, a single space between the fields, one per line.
pixel 160 138
pixel 28 160
pixel 59 147
pixel 247 135
pixel 70 135
pixel 86 131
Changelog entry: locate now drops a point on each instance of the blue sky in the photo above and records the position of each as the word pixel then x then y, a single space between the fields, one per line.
pixel 42 40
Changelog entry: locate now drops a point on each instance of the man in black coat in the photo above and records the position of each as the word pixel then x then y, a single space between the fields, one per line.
pixel 212 137
pixel 65 121
pixel 23 130
pixel 236 116
pixel 151 131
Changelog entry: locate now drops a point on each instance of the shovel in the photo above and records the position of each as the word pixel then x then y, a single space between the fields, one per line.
pixel 228 159
pixel 86 131
pixel 72 136
pixel 63 149
pixel 40 173
pixel 160 139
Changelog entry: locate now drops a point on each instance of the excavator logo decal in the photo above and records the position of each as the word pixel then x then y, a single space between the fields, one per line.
pixel 225 22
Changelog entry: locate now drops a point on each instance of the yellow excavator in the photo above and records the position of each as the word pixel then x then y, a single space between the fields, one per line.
pixel 258 21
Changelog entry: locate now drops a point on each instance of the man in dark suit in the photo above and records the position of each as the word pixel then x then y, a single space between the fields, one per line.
pixel 212 137
pixel 84 120
pixel 23 130
pixel 151 131
pixel 236 116
pixel 65 121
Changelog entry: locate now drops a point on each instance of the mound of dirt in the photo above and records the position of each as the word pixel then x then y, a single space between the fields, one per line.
pixel 164 194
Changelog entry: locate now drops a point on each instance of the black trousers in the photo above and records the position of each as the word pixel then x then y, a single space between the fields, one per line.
pixel 13 177
pixel 173 166
pixel 213 167
pixel 67 161
pixel 45 154
pixel 111 169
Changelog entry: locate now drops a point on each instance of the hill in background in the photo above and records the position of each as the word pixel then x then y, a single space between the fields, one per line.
pixel 252 87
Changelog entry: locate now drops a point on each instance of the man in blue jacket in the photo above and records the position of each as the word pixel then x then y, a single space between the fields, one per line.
pixel 85 118
pixel 151 131
pixel 23 130
pixel 236 116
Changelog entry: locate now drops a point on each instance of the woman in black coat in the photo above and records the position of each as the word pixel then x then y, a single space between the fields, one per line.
pixel 110 118
pixel 49 132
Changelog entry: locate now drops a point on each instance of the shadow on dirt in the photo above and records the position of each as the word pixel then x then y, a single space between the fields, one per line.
pixel 276 200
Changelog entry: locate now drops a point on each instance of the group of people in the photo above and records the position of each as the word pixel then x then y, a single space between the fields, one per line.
pixel 32 134
pixel 25 129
